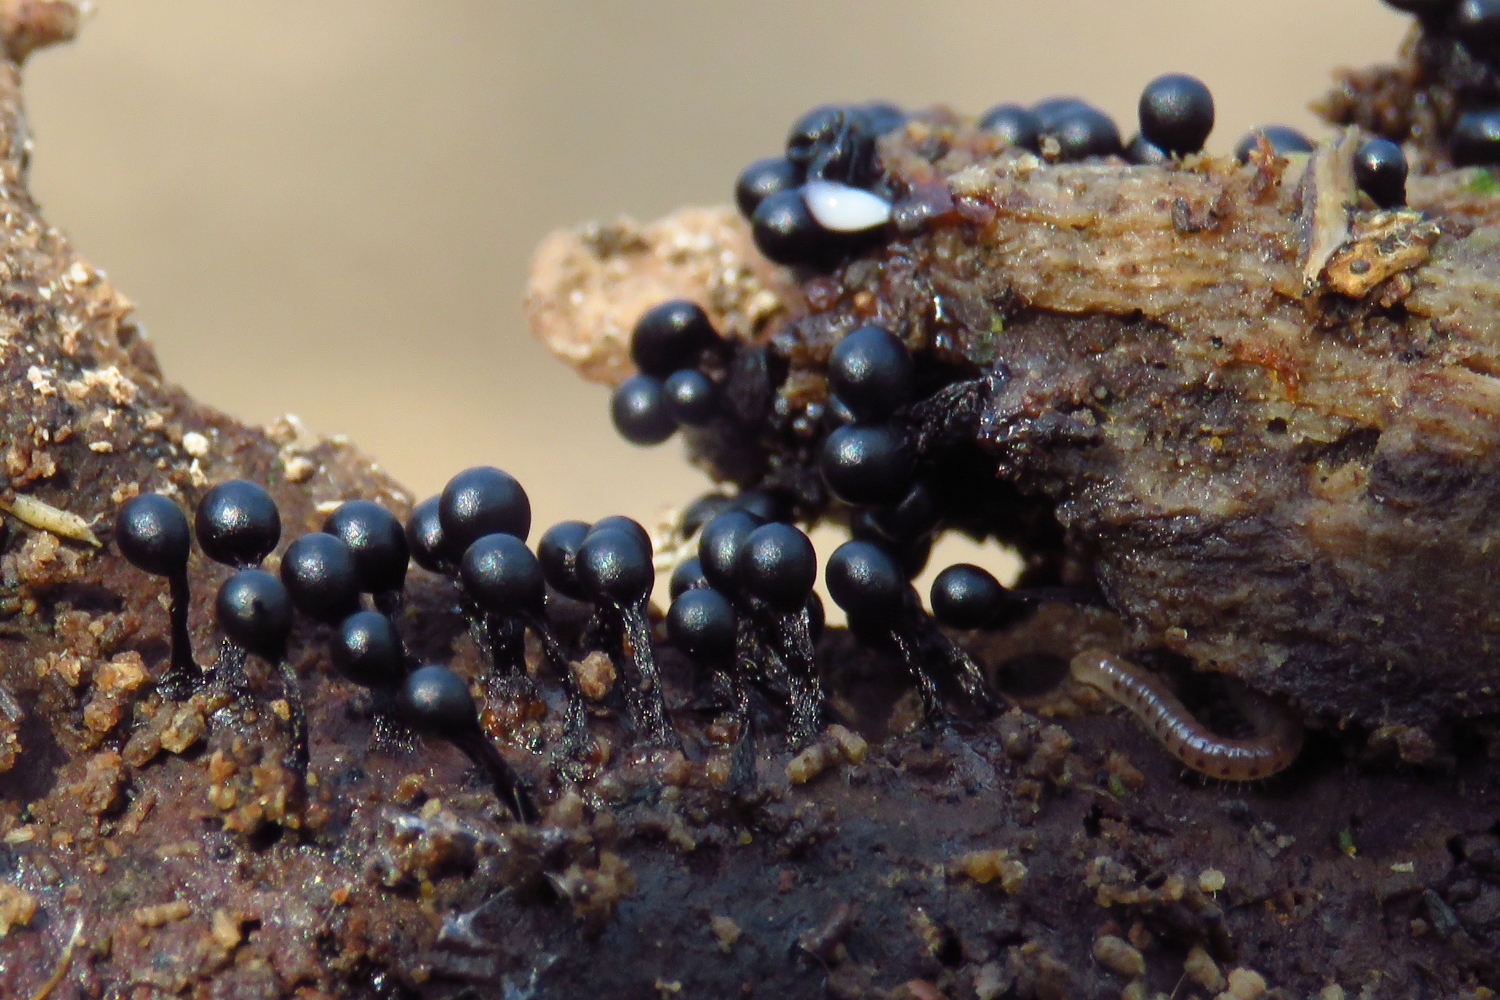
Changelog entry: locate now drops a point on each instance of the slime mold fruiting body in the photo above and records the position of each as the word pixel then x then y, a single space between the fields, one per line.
pixel 1247 399
pixel 1002 381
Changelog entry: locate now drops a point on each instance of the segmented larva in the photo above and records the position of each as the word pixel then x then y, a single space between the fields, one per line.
pixel 1277 744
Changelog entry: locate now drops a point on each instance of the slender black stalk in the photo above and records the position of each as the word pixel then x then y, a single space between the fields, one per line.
pixel 502 777
pixel 789 634
pixel 970 677
pixel 932 702
pixel 506 637
pixel 291 686
pixel 651 708
pixel 474 617
pixel 229 669
pixel 184 675
pixel 742 776
pixel 575 722
pixel 389 735
pixel 750 659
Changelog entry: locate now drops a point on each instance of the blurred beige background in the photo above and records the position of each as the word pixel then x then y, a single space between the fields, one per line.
pixel 327 208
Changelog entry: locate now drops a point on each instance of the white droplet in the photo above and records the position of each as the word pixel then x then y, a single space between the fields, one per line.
pixel 845 209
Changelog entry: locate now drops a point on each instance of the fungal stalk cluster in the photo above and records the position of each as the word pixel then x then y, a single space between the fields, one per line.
pixel 887 452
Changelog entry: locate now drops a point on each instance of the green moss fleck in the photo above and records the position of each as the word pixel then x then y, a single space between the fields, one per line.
pixel 1483 182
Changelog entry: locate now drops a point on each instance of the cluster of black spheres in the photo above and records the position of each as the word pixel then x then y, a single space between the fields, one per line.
pixel 743 610
pixel 1460 48
pixel 870 459
pixel 838 143
pixel 750 590
pixel 474 533
pixel 1176 115
pixel 671 388
pixel 362 549
pixel 833 143
pixel 237 524
pixel 1079 130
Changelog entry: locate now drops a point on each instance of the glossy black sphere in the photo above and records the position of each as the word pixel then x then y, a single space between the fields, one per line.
pixel 1283 139
pixel 1050 110
pixel 881 117
pixel 785 231
pixel 255 612
pixel 500 574
pixel 849 159
pixel 669 336
pixel 619 522
pixel 1475 140
pixel 763 178
pixel 913 556
pixel 1380 171
pixel 367 650
pixel 836 143
pixel 692 397
pixel 614 567
pixel 1477 23
pixel 813 130
pixel 862 525
pixel 704 509
pixel 702 624
pixel 1014 124
pixel 424 536
pixel 687 576
pixel 966 596
pixel 871 372
pixel 769 505
pixel 778 565
pixel 557 551
pixel 1085 132
pixel 641 411
pixel 866 581
pixel 437 701
pixel 868 464
pixel 481 501
pixel 376 539
pixel 321 576
pixel 237 523
pixel 914 516
pixel 1177 113
pixel 152 534
pixel 719 548
pixel 1142 153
